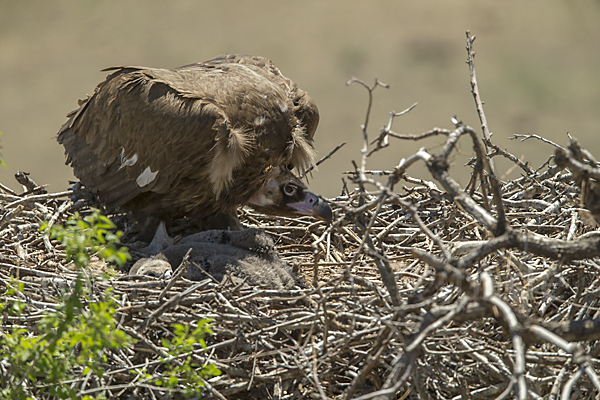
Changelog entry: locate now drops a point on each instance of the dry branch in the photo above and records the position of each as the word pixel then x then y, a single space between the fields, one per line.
pixel 427 291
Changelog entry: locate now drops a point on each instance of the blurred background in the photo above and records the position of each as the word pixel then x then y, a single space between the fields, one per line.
pixel 537 63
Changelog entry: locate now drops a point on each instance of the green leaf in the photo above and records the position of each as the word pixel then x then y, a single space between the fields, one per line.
pixel 88 235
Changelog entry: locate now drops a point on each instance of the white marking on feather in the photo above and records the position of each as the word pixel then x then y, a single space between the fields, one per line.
pixel 264 196
pixel 146 177
pixel 301 152
pixel 261 200
pixel 127 162
pixel 282 106
pixel 258 121
pixel 230 151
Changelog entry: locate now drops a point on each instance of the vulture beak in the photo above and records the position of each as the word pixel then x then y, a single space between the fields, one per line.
pixel 311 205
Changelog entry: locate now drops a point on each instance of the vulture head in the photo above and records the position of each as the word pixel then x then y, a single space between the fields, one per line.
pixel 196 141
pixel 284 194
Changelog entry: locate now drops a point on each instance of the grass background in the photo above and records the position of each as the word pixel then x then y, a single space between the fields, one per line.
pixel 538 66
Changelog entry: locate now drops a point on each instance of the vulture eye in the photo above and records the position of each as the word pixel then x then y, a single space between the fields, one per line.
pixel 290 190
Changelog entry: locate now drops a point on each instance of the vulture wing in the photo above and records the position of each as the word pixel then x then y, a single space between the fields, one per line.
pixel 198 140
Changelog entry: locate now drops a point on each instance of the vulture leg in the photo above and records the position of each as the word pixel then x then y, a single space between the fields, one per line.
pixel 146 227
pixel 160 241
pixel 220 221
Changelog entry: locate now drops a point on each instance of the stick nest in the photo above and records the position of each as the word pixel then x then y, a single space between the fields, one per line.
pixel 420 290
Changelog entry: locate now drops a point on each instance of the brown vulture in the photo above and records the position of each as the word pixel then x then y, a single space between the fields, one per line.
pixel 196 141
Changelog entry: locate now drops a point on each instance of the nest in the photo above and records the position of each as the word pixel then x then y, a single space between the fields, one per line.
pixel 428 290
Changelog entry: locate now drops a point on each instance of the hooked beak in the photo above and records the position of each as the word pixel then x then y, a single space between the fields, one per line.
pixel 311 205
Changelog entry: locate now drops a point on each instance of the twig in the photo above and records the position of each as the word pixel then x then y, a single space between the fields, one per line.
pixel 9 215
pixel 170 303
pixel 332 152
pixel 42 197
pixel 475 91
pixel 178 272
pixel 7 190
pixel 533 136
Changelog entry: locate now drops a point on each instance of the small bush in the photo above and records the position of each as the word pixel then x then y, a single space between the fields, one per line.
pixel 185 372
pixel 70 342
pixel 91 234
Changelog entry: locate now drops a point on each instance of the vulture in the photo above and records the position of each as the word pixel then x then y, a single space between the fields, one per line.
pixel 196 141
pixel 248 255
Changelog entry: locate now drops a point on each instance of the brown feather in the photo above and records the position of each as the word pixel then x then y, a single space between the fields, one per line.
pixel 197 140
